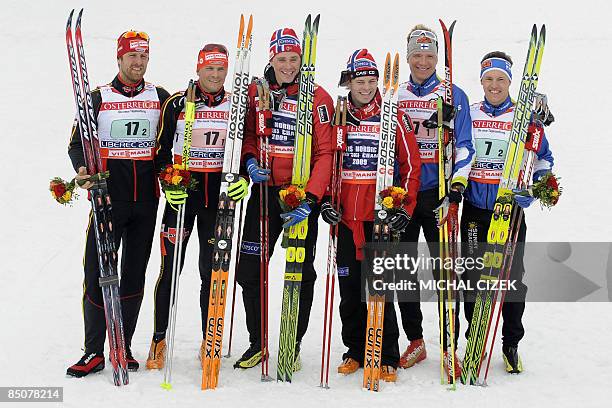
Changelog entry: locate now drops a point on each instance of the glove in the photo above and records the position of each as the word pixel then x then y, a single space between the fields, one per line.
pixel 399 220
pixel 238 189
pixel 522 200
pixel 329 213
pixel 257 174
pixel 82 179
pixel 448 113
pixel 539 174
pixel 175 197
pixel 299 213
pixel 454 196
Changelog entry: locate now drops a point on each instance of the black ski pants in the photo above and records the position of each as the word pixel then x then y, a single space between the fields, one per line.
pixel 474 229
pixel 134 226
pixel 204 218
pixel 423 218
pixel 248 271
pixel 353 310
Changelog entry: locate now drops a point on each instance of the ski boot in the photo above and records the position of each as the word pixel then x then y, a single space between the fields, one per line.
pixel 89 363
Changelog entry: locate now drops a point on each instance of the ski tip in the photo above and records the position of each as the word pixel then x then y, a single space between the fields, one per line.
pixel 452 27
pixel 534 30
pixel 247 39
pixel 308 21
pixel 80 15
pixel 543 31
pixel 69 23
pixel 315 24
pixel 166 386
pixel 442 25
pixel 240 31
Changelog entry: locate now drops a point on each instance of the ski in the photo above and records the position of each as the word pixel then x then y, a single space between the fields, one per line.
pixel 101 206
pixel 178 244
pixel 381 232
pixel 497 236
pixel 226 212
pixel 449 228
pixel 330 278
pixel 295 254
pixel 532 146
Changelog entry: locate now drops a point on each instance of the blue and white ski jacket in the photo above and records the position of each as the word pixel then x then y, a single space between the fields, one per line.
pixel 491 128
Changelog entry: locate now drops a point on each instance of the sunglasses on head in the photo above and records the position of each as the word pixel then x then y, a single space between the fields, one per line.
pixel 134 34
pixel 426 33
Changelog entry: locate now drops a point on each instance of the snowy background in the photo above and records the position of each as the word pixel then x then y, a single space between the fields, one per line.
pixel 566 348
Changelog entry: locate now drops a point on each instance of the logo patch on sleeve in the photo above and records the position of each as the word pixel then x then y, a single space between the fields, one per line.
pixel 407 123
pixel 323 114
pixel 343 271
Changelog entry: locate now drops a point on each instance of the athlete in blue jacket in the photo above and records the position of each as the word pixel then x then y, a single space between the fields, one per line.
pixel 418 97
pixel 491 127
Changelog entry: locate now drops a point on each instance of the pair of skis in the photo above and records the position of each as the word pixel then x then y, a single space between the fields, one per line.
pixel 296 253
pixel 499 249
pixel 381 232
pixel 449 228
pixel 224 226
pixel 101 206
pixel 226 212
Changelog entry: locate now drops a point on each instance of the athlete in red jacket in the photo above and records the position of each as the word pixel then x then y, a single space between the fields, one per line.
pixel 281 76
pixel 358 196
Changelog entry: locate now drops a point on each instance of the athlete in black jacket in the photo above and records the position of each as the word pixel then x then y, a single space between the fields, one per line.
pixel 127 111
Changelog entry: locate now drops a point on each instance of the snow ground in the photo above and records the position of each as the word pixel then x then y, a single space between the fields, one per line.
pixel 565 350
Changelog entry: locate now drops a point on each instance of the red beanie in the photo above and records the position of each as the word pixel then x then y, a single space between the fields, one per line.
pixel 132 41
pixel 212 54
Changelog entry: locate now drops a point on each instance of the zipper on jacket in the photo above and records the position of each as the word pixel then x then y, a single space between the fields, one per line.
pixel 356 200
pixel 135 180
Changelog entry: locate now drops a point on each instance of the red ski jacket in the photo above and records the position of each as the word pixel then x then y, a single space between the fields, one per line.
pixel 357 200
pixel 283 105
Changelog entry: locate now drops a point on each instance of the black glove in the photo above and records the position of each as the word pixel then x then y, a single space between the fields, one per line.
pixel 399 220
pixel 329 213
pixel 448 113
pixel 455 196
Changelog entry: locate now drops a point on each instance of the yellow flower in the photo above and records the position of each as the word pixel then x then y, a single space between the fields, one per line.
pixel 176 180
pixel 67 196
pixel 178 167
pixel 282 194
pixel 555 193
pixel 388 202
